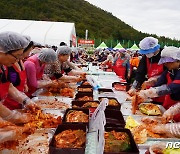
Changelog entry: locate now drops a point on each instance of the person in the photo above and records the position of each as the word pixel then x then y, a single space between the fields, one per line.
pixel 170 128
pixel 62 44
pixel 63 65
pixel 134 63
pixel 35 66
pixel 148 66
pixel 108 62
pixel 168 84
pixel 74 57
pixel 121 65
pixel 11 48
pixel 17 76
pixel 134 60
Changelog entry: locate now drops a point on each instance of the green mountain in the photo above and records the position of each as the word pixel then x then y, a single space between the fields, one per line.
pixel 101 24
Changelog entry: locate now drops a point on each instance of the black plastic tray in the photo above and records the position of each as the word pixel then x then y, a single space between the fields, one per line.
pixel 134 148
pixel 60 128
pixel 104 90
pixel 82 94
pixel 79 104
pixel 77 109
pixel 112 107
pixel 114 118
pixel 123 84
pixel 84 87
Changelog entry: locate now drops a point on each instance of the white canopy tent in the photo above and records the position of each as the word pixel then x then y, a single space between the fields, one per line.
pixel 44 32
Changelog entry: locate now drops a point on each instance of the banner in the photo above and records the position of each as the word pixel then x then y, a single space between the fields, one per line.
pixel 86 42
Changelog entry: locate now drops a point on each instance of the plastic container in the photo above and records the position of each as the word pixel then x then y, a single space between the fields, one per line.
pixel 60 128
pixel 104 90
pixel 86 111
pixel 134 149
pixel 114 118
pixel 121 86
pixel 83 82
pixel 118 107
pixel 80 95
pixel 79 104
pixel 85 89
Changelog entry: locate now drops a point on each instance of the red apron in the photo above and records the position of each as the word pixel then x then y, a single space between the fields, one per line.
pixel 4 87
pixel 153 69
pixel 38 76
pixel 168 102
pixel 119 69
pixel 10 103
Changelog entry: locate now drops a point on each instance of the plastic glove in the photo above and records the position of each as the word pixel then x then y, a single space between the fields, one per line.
pixel 171 129
pixel 159 129
pixel 7 135
pixel 32 106
pixel 16 95
pixel 169 114
pixel 45 77
pixel 150 82
pixel 132 91
pixel 26 88
pixel 10 133
pixel 17 117
pixel 44 83
pixel 148 93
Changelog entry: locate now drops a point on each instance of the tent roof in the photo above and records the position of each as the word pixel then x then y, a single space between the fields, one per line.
pixel 134 47
pixel 44 32
pixel 102 46
pixel 118 46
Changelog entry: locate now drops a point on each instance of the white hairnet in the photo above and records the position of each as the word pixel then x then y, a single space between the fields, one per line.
pixel 110 57
pixel 63 50
pixel 172 52
pixel 148 43
pixel 27 37
pixel 12 41
pixel 75 50
pixel 47 55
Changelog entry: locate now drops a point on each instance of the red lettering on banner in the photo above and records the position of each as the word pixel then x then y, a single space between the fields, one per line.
pixel 85 41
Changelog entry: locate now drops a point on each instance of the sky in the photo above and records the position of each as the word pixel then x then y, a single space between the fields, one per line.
pixel 160 17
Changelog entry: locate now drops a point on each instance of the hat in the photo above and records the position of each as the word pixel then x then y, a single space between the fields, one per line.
pixel 10 41
pixel 47 55
pixel 122 50
pixel 169 54
pixel 63 50
pixel 166 60
pixel 148 45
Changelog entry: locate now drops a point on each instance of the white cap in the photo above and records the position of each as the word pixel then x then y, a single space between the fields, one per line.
pixel 172 52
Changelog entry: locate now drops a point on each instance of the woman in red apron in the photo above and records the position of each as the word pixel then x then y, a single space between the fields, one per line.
pixel 122 66
pixel 12 46
pixel 168 84
pixel 108 63
pixel 21 77
pixel 148 68
pixel 34 67
pixel 17 76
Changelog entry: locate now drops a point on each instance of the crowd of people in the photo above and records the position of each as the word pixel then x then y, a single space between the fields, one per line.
pixel 26 66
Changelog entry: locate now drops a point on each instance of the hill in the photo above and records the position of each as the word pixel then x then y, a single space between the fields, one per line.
pixel 100 24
